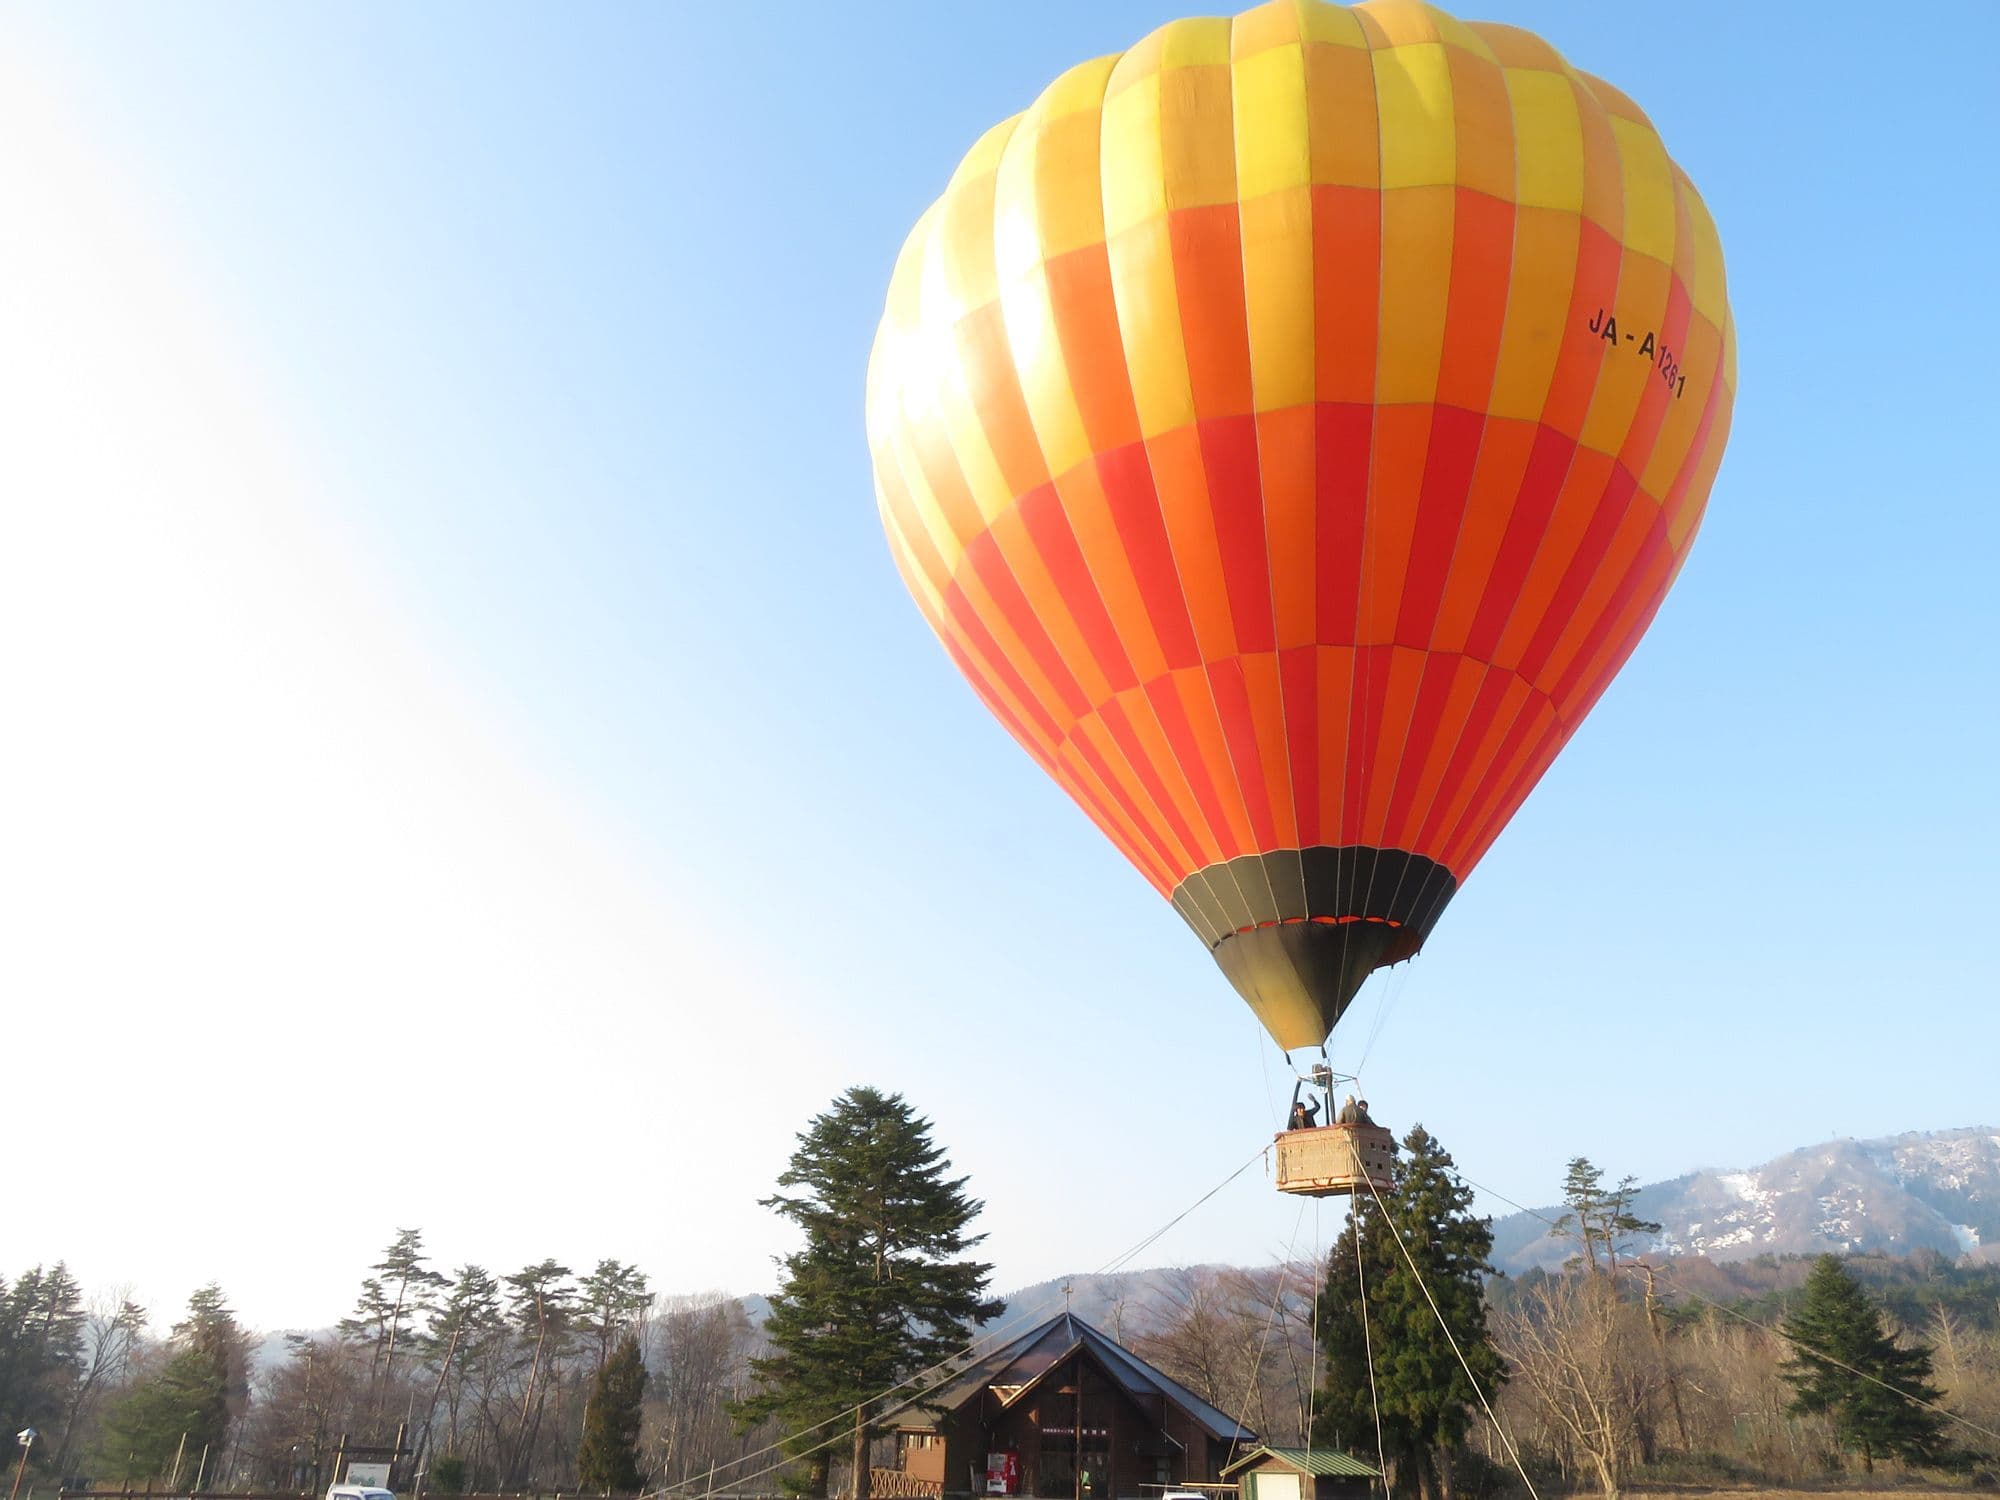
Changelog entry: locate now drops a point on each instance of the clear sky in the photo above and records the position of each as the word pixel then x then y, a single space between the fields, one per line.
pixel 467 760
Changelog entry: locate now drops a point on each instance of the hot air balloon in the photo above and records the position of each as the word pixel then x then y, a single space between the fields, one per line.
pixel 1289 426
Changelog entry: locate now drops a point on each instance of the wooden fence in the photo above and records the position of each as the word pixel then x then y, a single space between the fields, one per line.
pixel 894 1484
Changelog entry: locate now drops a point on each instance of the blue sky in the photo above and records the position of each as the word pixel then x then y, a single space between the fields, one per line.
pixel 586 771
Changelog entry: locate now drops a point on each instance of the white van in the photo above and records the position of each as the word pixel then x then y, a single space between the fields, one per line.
pixel 359 1492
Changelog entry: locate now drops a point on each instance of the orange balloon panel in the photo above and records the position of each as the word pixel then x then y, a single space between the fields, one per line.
pixel 1290 426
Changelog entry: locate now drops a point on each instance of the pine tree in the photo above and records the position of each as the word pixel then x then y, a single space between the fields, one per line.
pixel 877 1292
pixel 1425 1398
pixel 1601 1218
pixel 401 1290
pixel 466 1329
pixel 608 1459
pixel 541 1302
pixel 613 1297
pixel 1838 1343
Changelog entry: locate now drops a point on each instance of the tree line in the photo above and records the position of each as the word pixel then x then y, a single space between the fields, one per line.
pixel 542 1378
pixel 1401 1345
pixel 1615 1370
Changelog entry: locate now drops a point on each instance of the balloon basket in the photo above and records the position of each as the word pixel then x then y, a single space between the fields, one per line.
pixel 1335 1161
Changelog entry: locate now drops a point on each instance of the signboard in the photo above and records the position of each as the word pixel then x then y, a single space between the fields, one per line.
pixel 375 1476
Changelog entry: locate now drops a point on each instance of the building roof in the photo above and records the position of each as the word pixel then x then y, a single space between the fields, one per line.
pixel 1020 1363
pixel 1330 1462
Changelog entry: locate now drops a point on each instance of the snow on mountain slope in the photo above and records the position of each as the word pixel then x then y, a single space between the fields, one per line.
pixel 1938 1190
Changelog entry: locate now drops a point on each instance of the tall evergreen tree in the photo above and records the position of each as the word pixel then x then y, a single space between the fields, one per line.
pixel 176 1412
pixel 184 1407
pixel 877 1292
pixel 609 1456
pixel 41 1351
pixel 210 1327
pixel 1838 1342
pixel 1424 1395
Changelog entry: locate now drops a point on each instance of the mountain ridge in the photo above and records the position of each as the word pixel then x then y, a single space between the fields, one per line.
pixel 1935 1190
pixel 1920 1190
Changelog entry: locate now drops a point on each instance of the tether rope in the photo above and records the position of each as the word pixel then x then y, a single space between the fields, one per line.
pixel 1774 1331
pixel 1319 1285
pixel 1368 1349
pixel 1452 1339
pixel 1264 1341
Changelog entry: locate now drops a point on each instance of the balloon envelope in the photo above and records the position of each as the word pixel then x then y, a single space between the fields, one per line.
pixel 1290 426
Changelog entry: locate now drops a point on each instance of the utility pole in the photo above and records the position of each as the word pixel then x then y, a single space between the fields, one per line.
pixel 26 1438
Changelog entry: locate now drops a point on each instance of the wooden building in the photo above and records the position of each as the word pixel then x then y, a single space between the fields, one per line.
pixel 1301 1474
pixel 1017 1421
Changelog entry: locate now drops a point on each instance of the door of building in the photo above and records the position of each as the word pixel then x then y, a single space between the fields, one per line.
pixel 1056 1476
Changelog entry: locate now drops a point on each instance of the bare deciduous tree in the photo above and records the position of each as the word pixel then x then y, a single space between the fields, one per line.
pixel 699 1354
pixel 113 1326
pixel 1582 1354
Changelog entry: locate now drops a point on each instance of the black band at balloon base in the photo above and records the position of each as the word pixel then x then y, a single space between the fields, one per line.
pixel 1298 930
